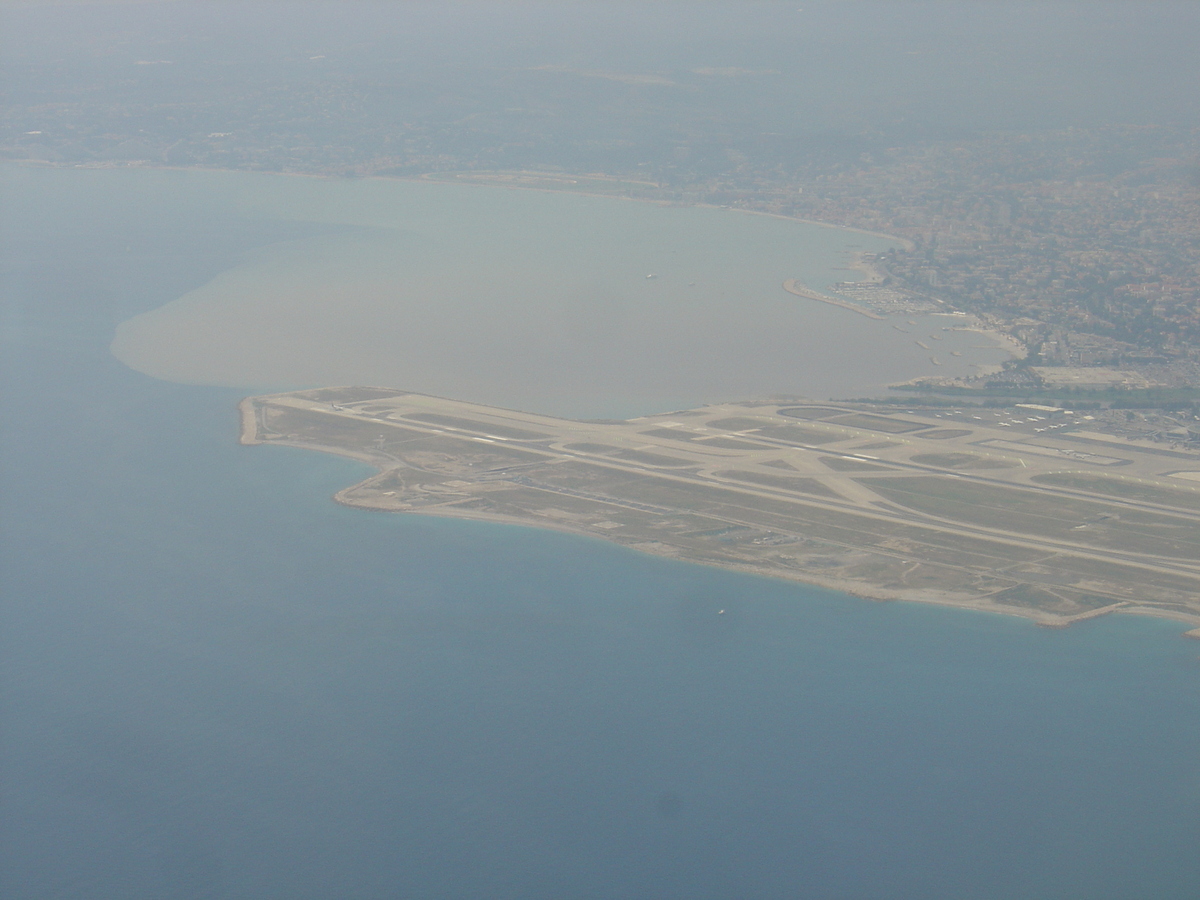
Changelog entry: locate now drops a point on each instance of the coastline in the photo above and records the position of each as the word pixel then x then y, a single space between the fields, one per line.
pixel 857 589
pixel 433 177
pixel 550 176
pixel 432 485
pixel 250 436
pixel 1008 343
pixel 799 289
pixel 249 419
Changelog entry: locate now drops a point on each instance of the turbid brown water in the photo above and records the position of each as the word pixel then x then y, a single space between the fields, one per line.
pixel 551 302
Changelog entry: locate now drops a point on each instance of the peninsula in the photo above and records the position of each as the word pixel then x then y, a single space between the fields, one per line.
pixel 1020 511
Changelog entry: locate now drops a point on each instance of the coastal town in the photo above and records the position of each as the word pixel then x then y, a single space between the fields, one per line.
pixel 1087 267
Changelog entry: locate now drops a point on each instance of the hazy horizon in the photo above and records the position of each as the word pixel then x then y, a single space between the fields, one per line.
pixel 217 683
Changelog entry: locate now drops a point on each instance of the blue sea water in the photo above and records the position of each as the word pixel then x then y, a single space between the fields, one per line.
pixel 219 684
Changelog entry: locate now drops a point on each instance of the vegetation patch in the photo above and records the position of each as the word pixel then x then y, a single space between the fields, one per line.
pixel 811 412
pixel 945 434
pixel 880 423
pixel 671 434
pixel 798 434
pixel 650 459
pixel 788 483
pixel 739 423
pixel 1059 600
pixel 842 464
pixel 1126 490
pixel 1027 512
pixel 351 394
pixel 727 443
pixel 961 461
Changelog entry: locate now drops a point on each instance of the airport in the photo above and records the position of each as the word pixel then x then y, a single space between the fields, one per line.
pixel 1022 511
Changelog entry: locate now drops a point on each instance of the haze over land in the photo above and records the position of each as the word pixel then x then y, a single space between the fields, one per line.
pixel 217 682
pixel 1041 159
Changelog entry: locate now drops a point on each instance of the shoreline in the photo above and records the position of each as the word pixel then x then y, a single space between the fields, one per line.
pixel 857 589
pixel 249 419
pixel 434 493
pixel 550 176
pixel 799 289
pixel 432 178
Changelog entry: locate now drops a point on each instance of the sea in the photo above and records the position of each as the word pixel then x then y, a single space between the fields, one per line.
pixel 551 302
pixel 217 683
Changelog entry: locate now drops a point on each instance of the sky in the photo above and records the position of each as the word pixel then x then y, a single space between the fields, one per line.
pixel 936 64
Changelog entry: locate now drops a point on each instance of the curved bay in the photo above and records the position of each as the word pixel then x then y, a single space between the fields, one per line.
pixel 551 302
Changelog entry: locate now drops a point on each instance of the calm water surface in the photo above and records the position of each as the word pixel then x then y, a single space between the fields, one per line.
pixel 219 684
pixel 549 302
